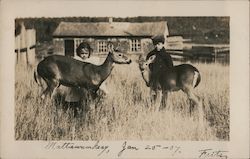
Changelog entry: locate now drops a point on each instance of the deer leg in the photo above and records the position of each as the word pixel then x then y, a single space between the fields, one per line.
pixel 152 95
pixel 51 85
pixel 164 100
pixel 51 88
pixel 47 90
pixel 103 88
pixel 54 84
pixel 191 107
pixel 195 100
pixel 89 98
pixel 156 97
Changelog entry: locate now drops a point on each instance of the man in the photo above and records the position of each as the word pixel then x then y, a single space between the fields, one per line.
pixel 162 60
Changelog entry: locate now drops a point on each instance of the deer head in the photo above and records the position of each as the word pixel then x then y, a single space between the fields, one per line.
pixel 117 56
pixel 144 68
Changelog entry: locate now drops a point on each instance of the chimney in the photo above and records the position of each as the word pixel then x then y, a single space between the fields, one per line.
pixel 110 19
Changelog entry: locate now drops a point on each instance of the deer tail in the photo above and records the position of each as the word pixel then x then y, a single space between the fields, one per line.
pixel 37 78
pixel 197 78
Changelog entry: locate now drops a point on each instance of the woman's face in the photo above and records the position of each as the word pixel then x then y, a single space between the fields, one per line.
pixel 84 53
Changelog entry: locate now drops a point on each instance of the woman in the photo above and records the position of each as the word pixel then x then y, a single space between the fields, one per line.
pixel 83 53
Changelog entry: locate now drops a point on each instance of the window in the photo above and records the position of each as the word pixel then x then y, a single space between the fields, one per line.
pixel 78 42
pixel 135 45
pixel 102 46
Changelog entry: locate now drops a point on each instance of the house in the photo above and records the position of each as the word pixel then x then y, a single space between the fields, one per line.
pixel 134 38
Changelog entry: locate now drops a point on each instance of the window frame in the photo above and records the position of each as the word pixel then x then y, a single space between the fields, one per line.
pixel 102 46
pixel 135 45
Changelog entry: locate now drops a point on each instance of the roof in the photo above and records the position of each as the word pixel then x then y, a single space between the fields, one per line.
pixel 110 29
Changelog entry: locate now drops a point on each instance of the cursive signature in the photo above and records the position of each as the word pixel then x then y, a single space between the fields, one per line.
pixel 210 153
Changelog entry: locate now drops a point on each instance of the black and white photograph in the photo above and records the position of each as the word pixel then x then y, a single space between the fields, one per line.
pixel 109 78
pixel 145 81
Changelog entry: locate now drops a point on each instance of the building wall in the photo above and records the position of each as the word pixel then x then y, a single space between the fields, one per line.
pixel 147 45
pixel 124 44
pixel 58 46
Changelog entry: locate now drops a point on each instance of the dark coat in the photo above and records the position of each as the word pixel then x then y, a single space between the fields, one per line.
pixel 162 61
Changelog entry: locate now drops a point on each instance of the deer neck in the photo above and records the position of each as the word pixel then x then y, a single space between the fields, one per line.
pixel 106 67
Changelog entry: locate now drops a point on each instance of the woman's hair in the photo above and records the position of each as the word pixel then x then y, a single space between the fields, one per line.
pixel 85 45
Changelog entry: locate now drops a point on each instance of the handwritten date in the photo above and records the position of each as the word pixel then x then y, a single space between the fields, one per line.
pixel 172 150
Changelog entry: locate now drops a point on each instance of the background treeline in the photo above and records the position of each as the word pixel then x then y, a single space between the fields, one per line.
pixel 210 30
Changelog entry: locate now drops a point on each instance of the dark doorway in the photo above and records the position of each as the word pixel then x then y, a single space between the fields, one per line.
pixel 69 47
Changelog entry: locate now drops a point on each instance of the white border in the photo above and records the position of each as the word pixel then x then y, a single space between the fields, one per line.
pixel 238 146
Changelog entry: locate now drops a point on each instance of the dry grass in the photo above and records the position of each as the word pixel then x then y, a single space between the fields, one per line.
pixel 126 112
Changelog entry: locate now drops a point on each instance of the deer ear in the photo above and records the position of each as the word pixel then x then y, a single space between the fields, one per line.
pixel 141 58
pixel 117 48
pixel 152 58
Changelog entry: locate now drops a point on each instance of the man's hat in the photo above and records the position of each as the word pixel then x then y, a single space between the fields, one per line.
pixel 158 38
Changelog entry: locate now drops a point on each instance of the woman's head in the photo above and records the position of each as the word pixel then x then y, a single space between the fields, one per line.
pixel 84 50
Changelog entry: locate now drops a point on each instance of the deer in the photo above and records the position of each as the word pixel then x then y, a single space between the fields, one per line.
pixel 183 77
pixel 58 70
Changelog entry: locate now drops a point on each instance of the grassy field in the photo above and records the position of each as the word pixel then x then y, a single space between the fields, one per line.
pixel 126 112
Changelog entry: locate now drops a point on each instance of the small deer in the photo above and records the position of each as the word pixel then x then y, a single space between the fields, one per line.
pixel 183 77
pixel 59 70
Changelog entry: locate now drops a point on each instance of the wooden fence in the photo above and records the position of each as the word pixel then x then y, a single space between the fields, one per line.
pixel 200 53
pixel 25 44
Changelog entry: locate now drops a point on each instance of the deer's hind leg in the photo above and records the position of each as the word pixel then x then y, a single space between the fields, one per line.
pixel 194 101
pixel 51 86
pixel 47 89
pixel 54 84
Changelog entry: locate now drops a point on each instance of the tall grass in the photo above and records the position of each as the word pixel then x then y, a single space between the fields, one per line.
pixel 126 112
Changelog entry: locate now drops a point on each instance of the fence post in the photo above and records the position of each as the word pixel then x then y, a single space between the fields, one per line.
pixel 23 54
pixel 30 42
pixel 17 47
pixel 215 55
pixel 25 46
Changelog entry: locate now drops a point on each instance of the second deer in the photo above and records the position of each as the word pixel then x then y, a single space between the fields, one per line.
pixel 183 77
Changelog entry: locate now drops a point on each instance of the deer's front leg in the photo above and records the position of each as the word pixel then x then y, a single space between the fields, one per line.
pixel 164 100
pixel 152 95
pixel 91 95
pixel 156 97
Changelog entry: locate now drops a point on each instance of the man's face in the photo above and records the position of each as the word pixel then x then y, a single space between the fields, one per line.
pixel 159 46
